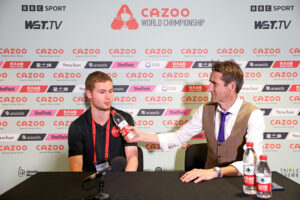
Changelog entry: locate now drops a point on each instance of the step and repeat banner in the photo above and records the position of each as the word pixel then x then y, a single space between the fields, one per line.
pixel 159 55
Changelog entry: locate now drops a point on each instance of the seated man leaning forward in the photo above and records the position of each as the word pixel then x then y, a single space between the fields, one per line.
pixel 228 122
pixel 94 139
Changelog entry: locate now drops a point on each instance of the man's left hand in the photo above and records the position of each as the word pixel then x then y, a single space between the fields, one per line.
pixel 198 175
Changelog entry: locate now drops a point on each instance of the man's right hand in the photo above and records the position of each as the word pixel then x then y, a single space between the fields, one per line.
pixel 138 135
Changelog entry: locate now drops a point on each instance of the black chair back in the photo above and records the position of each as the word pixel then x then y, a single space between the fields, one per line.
pixel 195 156
pixel 140 159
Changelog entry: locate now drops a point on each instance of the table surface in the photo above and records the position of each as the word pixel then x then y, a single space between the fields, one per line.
pixel 140 185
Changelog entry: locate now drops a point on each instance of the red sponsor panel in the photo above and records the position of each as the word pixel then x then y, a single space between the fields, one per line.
pixel 179 64
pixel 33 88
pixel 200 136
pixel 195 88
pixel 152 146
pixel 294 88
pixel 16 64
pixel 69 112
pixel 286 64
pixel 185 146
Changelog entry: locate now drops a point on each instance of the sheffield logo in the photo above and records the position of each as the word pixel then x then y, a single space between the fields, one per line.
pixel 124 20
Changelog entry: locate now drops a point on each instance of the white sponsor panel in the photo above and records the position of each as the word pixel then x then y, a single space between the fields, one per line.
pixel 168 88
pixel 293 136
pixel 71 65
pixel 252 88
pixel 152 64
pixel 8 137
pixel 284 112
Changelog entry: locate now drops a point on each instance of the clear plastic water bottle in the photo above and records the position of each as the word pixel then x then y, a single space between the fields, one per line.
pixel 263 179
pixel 122 124
pixel 249 167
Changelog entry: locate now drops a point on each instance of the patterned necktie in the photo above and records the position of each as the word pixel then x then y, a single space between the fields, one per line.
pixel 221 136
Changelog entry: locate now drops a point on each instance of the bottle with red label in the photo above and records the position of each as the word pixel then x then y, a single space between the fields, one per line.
pixel 122 124
pixel 249 167
pixel 263 179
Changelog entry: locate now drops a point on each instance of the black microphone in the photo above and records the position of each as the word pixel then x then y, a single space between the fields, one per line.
pixel 98 174
pixel 118 164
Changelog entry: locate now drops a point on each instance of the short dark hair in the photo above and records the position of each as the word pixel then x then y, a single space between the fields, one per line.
pixel 231 72
pixel 95 77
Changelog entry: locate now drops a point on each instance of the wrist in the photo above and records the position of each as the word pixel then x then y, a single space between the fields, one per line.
pixel 218 171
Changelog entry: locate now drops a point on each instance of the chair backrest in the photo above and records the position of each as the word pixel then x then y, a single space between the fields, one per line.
pixel 140 159
pixel 195 156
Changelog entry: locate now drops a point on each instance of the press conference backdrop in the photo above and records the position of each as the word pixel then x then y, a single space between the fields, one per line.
pixel 158 54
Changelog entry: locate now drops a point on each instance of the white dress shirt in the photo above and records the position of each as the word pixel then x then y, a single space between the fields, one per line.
pixel 255 129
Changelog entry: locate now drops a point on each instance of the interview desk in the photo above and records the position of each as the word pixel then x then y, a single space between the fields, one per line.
pixel 140 185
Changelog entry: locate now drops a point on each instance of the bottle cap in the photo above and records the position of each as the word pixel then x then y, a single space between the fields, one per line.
pixel 113 112
pixel 249 144
pixel 263 157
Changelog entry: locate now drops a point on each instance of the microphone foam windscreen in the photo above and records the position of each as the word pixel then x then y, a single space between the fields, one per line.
pixel 118 164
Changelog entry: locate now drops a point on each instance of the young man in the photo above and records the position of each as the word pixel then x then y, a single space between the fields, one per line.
pixel 94 139
pixel 228 122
